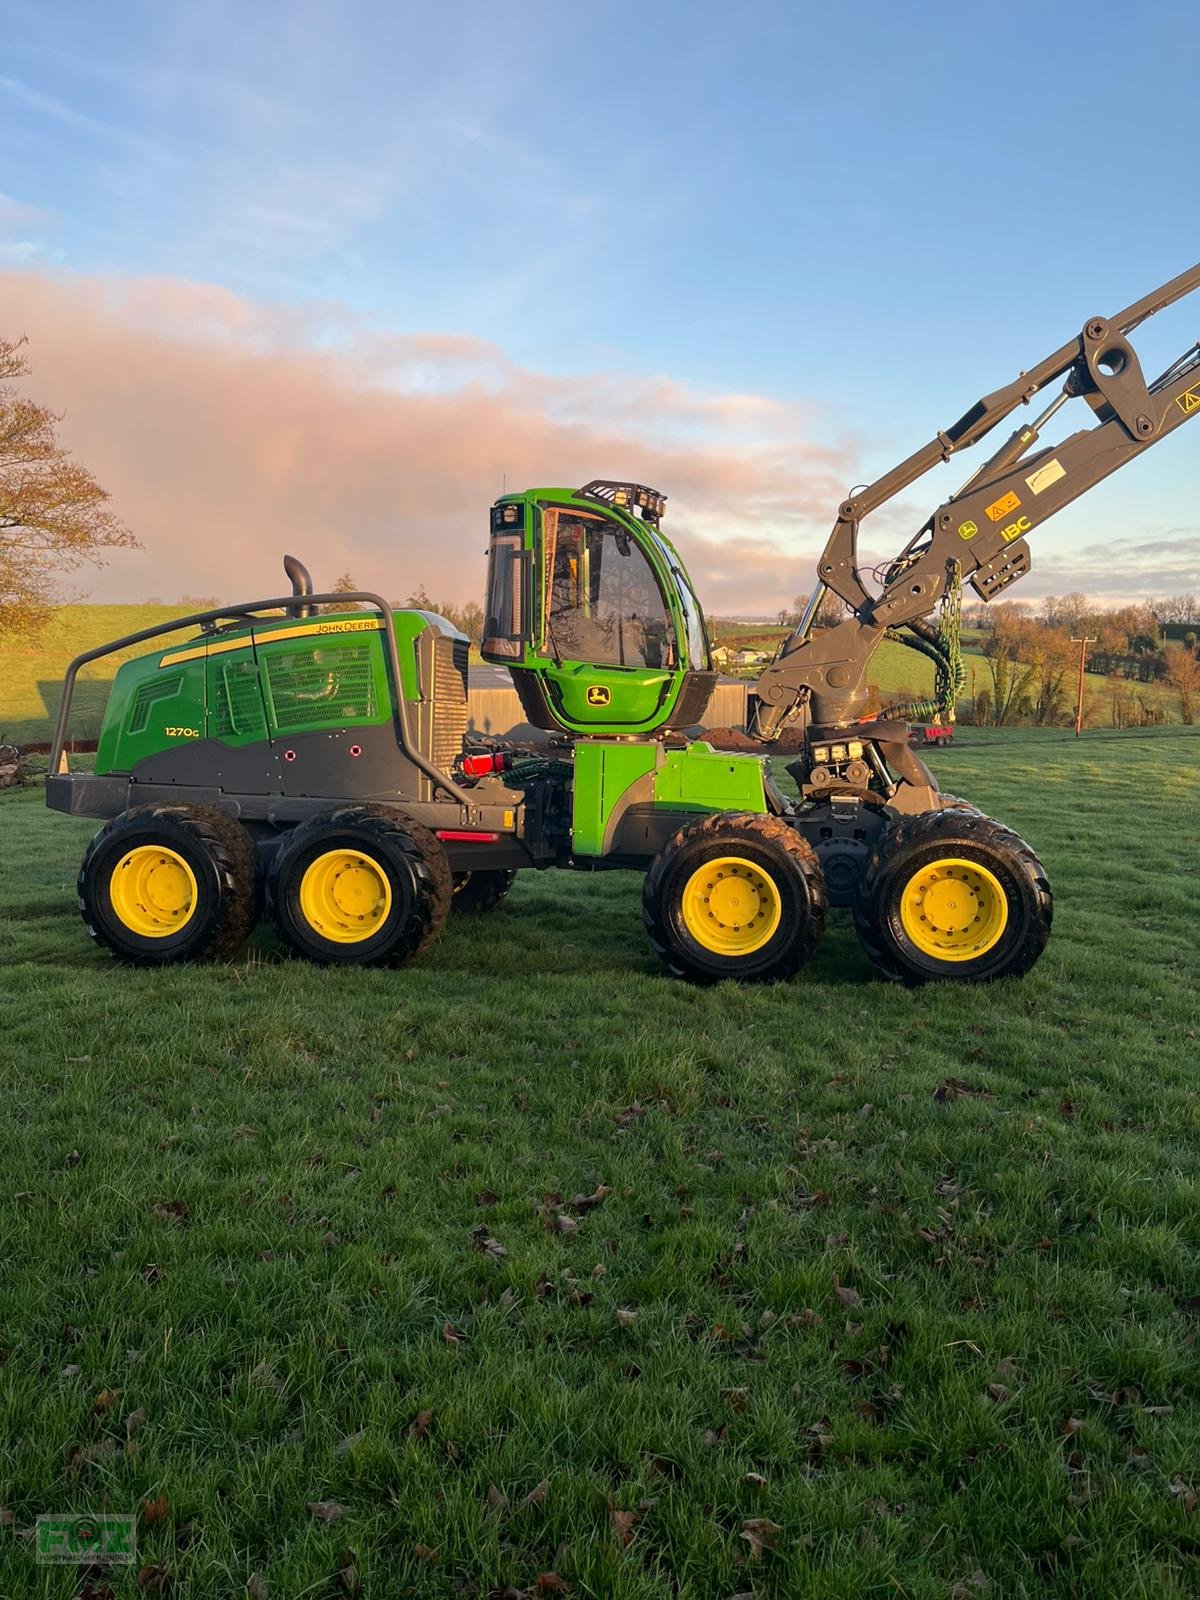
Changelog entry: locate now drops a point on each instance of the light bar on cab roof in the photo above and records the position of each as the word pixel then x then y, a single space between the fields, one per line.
pixel 627 497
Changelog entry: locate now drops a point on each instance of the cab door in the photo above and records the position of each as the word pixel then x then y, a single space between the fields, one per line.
pixel 607 636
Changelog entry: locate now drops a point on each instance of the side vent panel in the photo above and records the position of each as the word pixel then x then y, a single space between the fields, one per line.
pixel 150 693
pixel 319 688
pixel 235 708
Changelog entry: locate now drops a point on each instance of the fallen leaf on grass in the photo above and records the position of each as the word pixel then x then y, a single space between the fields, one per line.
pixel 623 1523
pixel 551 1583
pixel 1184 1493
pixel 264 1376
pixel 712 1437
pixel 155 1578
pixel 585 1202
pixel 760 1533
pixel 77 1457
pixel 326 1511
pixel 485 1197
pixel 348 1580
pixel 1071 1426
pixel 134 1421
pixel 419 1426
pixel 482 1241
pixel 452 1335
pixel 626 1316
pixel 104 1401
pixel 172 1211
pixel 564 1224
pixel 754 1480
pixel 6 1517
pixel 844 1295
pixel 424 1552
pixel 256 1586
pixel 996 1392
pixel 497 1501
pixel 348 1443
pixel 156 1510
pixel 536 1495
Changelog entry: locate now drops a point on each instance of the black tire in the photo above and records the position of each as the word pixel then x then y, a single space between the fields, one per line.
pixel 782 857
pixel 400 851
pixel 224 863
pixel 915 845
pixel 481 891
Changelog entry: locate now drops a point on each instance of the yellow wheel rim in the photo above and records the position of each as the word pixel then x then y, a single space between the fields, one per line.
pixel 153 891
pixel 954 910
pixel 731 906
pixel 345 896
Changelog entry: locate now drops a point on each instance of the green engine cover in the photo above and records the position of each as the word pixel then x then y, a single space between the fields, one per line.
pixel 276 678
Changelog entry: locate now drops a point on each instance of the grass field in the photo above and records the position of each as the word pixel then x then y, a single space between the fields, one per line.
pixel 872 1293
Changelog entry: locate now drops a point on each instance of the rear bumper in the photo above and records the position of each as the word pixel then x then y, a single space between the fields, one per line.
pixel 83 794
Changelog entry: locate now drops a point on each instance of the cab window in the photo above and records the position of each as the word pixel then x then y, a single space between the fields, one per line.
pixel 603 602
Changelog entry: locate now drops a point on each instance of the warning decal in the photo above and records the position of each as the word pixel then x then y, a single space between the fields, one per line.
pixel 1000 508
pixel 1189 400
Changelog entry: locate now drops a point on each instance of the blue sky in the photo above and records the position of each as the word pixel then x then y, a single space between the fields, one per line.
pixel 869 213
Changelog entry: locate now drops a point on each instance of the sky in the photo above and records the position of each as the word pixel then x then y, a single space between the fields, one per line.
pixel 328 277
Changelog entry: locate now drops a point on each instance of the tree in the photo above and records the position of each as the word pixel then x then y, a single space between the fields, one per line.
pixel 344 585
pixel 830 611
pixel 1006 655
pixel 1183 675
pixel 54 516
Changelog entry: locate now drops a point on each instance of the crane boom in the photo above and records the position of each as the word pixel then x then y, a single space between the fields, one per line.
pixel 979 532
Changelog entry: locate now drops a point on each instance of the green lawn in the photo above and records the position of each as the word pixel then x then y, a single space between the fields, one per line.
pixel 876 1293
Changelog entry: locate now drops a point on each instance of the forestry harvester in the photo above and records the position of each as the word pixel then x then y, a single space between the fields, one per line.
pixel 318 760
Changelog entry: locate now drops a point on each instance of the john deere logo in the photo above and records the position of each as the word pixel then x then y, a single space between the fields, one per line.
pixel 967 530
pixel 598 694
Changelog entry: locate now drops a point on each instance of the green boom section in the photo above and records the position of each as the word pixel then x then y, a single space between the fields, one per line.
pixel 276 678
pixel 611 775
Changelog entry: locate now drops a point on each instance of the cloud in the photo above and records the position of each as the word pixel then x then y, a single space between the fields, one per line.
pixel 229 431
pixel 1166 562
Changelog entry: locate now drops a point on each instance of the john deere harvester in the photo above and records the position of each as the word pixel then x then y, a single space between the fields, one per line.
pixel 318 761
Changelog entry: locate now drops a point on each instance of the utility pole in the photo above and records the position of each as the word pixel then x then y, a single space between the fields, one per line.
pixel 1083 644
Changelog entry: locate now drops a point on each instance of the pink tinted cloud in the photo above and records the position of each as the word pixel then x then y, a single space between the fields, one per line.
pixel 229 432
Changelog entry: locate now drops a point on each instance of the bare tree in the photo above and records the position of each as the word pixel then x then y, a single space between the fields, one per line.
pixel 1183 675
pixel 54 516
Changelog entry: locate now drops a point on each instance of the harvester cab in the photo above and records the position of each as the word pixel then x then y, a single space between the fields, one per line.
pixel 591 610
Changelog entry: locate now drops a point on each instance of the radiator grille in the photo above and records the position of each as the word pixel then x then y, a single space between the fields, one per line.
pixel 450 658
pixel 149 693
pixel 321 686
pixel 235 707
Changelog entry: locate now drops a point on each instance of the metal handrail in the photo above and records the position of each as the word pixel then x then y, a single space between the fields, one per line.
pixel 248 610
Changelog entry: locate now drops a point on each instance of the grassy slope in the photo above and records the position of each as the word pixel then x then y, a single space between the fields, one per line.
pixel 316 1143
pixel 31 670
